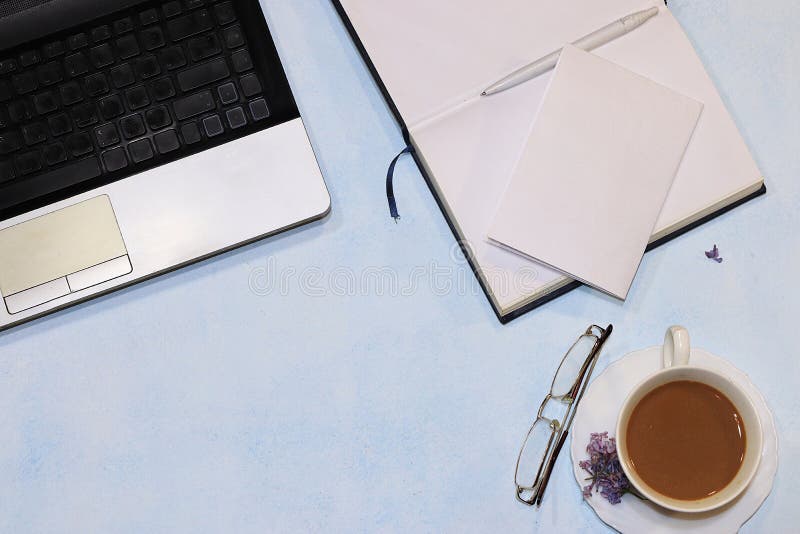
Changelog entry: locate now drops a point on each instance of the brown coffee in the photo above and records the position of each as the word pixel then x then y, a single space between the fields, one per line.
pixel 686 440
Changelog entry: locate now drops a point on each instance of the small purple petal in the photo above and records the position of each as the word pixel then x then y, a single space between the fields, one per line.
pixel 713 254
pixel 614 497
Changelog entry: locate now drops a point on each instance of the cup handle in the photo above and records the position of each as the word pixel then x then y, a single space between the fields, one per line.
pixel 676 347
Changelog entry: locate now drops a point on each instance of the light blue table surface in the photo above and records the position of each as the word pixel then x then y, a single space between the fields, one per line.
pixel 197 402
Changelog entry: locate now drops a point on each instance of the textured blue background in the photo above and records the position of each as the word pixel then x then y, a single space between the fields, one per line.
pixel 193 403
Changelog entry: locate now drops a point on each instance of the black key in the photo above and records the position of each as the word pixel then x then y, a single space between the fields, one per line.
pixel 28 162
pixel 250 84
pixel 54 49
pixel 127 46
pixel 76 41
pixel 45 102
pixel 224 13
pixel 259 109
pixel 190 133
pixel 111 107
pixel 4 120
pixel 192 105
pixel 28 58
pixel 152 38
pixel 241 61
pixel 203 74
pixel 236 118
pixel 233 37
pixel 59 124
pixel 137 97
pixel 213 125
pixel 70 93
pixel 101 33
pixel 132 126
pixel 147 67
pixel 106 135
pixel 189 25
pixel 140 150
pixel 79 144
pixel 76 64
pixel 9 142
pixel 7 65
pixel 148 16
pixel 123 25
pixel 204 46
pixel 227 93
pixel 96 84
pixel 55 153
pixel 192 4
pixel 172 9
pixel 122 76
pixel 172 58
pixel 166 141
pixel 101 55
pixel 56 179
pixel 84 115
pixel 20 111
pixel 49 73
pixel 162 88
pixel 6 171
pixel 158 118
pixel 5 91
pixel 34 133
pixel 115 159
pixel 25 82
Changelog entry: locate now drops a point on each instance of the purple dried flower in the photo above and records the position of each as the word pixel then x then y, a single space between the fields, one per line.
pixel 605 470
pixel 713 254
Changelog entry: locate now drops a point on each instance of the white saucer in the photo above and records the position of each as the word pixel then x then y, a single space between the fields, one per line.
pixel 598 413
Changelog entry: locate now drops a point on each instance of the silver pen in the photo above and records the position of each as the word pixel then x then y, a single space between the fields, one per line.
pixel 590 42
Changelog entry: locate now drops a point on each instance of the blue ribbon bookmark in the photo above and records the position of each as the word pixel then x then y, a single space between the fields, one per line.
pixel 390 188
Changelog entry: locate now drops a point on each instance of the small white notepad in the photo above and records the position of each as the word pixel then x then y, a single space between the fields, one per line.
pixel 603 151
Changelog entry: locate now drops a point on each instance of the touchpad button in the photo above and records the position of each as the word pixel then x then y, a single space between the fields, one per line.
pixel 65 251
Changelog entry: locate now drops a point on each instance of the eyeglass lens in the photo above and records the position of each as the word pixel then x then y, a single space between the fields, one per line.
pixel 531 458
pixel 568 371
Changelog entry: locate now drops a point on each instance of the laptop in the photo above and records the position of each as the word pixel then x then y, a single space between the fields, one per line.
pixel 137 137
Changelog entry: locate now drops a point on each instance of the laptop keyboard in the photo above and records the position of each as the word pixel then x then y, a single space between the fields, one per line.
pixel 132 91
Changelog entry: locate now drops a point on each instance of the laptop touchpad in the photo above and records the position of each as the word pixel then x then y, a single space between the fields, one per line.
pixel 60 253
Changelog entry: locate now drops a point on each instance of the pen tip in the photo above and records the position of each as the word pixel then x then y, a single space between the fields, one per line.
pixel 483 93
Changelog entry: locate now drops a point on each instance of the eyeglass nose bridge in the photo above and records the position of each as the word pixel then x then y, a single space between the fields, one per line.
pixel 566 399
pixel 540 413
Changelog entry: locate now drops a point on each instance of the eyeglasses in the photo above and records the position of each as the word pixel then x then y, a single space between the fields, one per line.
pixel 546 437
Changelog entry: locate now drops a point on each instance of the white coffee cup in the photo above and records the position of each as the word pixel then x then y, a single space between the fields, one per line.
pixel 675 366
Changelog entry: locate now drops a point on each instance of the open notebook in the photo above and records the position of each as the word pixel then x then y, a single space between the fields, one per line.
pixel 432 60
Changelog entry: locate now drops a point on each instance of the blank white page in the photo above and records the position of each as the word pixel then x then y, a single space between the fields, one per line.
pixel 470 154
pixel 601 156
pixel 433 54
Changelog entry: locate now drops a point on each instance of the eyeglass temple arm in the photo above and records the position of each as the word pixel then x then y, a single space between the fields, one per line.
pixel 537 498
pixel 598 346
